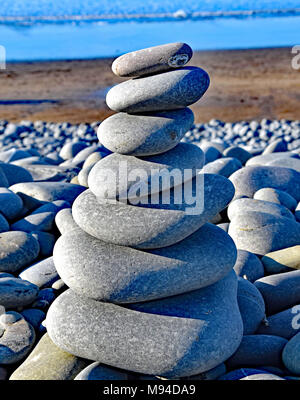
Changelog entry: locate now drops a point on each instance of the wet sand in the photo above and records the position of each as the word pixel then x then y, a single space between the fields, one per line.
pixel 245 85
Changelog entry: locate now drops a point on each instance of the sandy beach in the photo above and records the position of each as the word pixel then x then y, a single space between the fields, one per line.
pixel 245 85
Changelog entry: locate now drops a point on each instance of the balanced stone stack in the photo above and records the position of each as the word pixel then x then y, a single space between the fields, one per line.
pixel 152 286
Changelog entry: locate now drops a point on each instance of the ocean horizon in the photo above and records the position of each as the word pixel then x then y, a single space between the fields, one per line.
pixel 32 30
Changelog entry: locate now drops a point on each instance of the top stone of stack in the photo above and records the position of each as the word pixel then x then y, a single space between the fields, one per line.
pixel 152 60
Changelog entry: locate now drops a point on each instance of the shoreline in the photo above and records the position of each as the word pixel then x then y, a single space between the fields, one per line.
pixel 245 85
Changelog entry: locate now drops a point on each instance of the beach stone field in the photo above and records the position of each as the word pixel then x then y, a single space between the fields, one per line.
pixel 99 283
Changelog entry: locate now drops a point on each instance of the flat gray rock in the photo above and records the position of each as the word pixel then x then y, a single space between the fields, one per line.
pixel 167 91
pixel 48 362
pixel 42 274
pixel 280 291
pixel 15 292
pixel 49 191
pixel 261 233
pixel 144 135
pixel 120 274
pixel 17 339
pixel 248 266
pixel 291 355
pixel 152 60
pixel 18 249
pixel 189 334
pixel 120 176
pixel 243 206
pixel 10 204
pixel 152 226
pixel 249 180
pixel 276 196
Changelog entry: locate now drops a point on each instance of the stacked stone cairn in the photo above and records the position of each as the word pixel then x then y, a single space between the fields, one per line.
pixel 151 284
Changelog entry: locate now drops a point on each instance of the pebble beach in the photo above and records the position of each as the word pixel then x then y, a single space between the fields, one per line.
pixel 95 288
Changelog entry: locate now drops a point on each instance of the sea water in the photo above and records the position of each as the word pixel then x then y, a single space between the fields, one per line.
pixel 50 30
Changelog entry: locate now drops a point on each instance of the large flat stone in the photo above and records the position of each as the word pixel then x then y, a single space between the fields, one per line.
pixel 119 176
pixel 122 274
pixel 178 336
pixel 166 91
pixel 152 226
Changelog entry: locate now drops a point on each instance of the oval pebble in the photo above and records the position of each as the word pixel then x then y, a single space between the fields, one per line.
pixel 280 291
pixel 18 249
pixel 17 339
pixel 144 135
pixel 10 204
pixel 99 372
pixel 167 91
pixel 152 60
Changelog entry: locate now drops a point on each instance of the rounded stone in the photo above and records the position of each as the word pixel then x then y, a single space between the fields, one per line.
pixel 249 180
pixel 152 60
pixel 167 91
pixel 10 204
pixel 251 305
pixel 243 206
pixel 99 372
pixel 237 152
pixel 276 196
pixel 18 249
pixel 286 323
pixel 266 159
pixel 280 291
pixel 42 274
pixel 152 226
pixel 244 374
pixel 258 350
pixel 190 333
pixel 291 355
pixel 225 166
pixel 48 362
pixel 119 176
pixel 144 135
pixel 121 274
pixel 64 220
pixel 263 377
pixel 282 260
pixel 248 266
pixel 262 233
pixel 70 149
pixel 16 341
pixel 15 292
